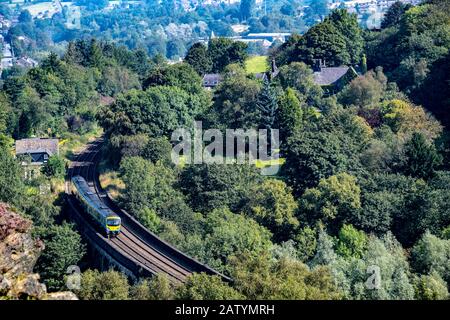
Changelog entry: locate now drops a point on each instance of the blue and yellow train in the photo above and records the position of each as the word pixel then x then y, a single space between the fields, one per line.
pixel 104 216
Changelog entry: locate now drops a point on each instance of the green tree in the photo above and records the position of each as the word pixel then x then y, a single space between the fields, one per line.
pixel 234 103
pixel 200 286
pixel 290 114
pixel 299 76
pixel 422 158
pixel 157 111
pixel 158 149
pixel 430 287
pixel 224 52
pixel 63 248
pixel 181 75
pixel 11 185
pixel 198 57
pixel 109 285
pixel 323 148
pixel 273 206
pixel 333 201
pixel 209 186
pixel 431 254
pixel 394 14
pixel 351 242
pixel 156 288
pixel 267 105
pixel 55 167
pixel 261 278
pixel 228 234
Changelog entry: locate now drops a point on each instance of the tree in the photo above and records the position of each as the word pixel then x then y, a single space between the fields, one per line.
pixel 234 103
pixel 405 119
pixel 224 52
pixel 158 149
pixel 262 278
pixel 422 158
pixel 273 206
pixel 200 286
pixel 431 254
pixel 156 288
pixel 63 248
pixel 394 14
pixel 351 242
pixel 267 105
pixel 109 285
pixel 157 111
pixel 333 201
pixel 348 26
pixel 324 41
pixel 209 186
pixel 228 234
pixel 55 167
pixel 365 90
pixel 11 185
pixel 314 155
pixel 181 75
pixel 198 57
pixel 290 114
pixel 246 9
pixel 25 17
pixel 430 287
pixel 299 76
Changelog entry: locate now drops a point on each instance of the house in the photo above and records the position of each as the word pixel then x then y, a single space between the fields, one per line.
pixel 26 62
pixel 34 153
pixel 333 79
pixel 38 149
pixel 211 80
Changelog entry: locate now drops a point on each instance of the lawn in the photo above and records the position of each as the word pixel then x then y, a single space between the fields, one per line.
pixel 256 64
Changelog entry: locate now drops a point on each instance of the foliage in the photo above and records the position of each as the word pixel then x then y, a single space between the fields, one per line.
pixel 422 158
pixel 55 167
pixel 110 285
pixel 259 278
pixel 273 206
pixel 201 286
pixel 156 111
pixel 209 186
pixel 333 201
pixel 63 248
pixel 228 234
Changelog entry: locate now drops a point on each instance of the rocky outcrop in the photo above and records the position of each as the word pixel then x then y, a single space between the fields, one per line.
pixel 18 255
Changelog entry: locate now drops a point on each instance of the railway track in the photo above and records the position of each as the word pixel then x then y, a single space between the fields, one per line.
pixel 147 254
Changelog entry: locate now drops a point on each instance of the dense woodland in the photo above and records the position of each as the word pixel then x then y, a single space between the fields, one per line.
pixel 365 182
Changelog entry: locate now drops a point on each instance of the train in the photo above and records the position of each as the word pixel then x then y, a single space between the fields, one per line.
pixel 108 221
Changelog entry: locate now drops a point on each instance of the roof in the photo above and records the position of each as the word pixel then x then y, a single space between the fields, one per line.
pixel 211 79
pixel 329 75
pixel 37 145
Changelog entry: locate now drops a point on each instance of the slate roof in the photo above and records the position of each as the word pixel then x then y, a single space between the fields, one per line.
pixel 37 145
pixel 211 79
pixel 329 75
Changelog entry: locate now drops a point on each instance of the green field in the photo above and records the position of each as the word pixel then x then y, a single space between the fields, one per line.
pixel 256 64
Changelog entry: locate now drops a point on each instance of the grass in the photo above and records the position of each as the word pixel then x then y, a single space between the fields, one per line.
pixel 73 143
pixel 110 181
pixel 256 64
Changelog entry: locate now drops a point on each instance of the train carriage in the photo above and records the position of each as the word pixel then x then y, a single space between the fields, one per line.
pixel 105 217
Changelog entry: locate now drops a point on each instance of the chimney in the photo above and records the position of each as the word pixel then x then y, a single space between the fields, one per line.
pixel 274 67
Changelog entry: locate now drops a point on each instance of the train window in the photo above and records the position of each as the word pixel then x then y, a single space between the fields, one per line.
pixel 113 222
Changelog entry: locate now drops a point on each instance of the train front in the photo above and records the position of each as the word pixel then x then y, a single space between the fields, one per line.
pixel 113 224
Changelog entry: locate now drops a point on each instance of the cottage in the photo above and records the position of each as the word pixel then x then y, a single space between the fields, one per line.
pixel 333 79
pixel 39 150
pixel 211 80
